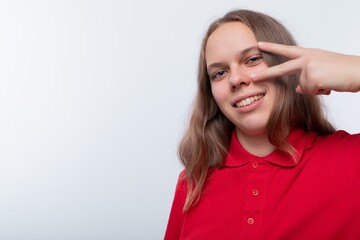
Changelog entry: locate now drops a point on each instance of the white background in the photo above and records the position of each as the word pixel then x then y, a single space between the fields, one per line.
pixel 94 97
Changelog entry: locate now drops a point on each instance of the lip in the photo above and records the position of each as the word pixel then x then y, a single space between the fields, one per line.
pixel 238 99
pixel 249 108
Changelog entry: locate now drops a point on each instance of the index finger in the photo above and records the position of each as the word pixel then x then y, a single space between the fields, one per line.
pixel 280 49
pixel 286 68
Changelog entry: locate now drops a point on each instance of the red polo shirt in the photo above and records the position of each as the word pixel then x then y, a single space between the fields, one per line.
pixel 272 197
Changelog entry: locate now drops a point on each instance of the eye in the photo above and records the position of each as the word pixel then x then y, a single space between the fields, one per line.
pixel 255 60
pixel 218 75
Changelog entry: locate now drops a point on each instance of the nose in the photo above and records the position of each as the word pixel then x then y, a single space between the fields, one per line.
pixel 238 77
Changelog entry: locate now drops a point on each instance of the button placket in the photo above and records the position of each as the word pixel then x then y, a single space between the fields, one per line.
pixel 254 206
pixel 255 192
pixel 255 164
pixel 250 221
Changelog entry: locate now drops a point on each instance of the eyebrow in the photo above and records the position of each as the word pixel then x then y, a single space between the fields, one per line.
pixel 243 52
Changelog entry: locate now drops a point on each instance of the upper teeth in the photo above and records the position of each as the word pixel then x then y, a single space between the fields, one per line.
pixel 249 100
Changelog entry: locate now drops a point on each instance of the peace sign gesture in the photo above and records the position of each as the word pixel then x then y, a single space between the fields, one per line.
pixel 320 71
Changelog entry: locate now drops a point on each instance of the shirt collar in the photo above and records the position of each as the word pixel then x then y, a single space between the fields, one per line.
pixel 298 138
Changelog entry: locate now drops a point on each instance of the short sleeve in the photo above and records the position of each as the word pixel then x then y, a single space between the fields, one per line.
pixel 176 218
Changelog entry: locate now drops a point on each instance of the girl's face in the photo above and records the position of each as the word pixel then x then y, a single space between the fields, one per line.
pixel 231 56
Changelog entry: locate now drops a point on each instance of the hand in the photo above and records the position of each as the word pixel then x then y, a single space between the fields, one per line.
pixel 320 71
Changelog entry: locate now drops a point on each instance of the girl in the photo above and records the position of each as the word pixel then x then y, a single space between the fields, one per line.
pixel 261 159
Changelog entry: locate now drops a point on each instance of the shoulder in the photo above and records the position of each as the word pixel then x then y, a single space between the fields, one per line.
pixel 181 189
pixel 339 149
pixel 176 218
pixel 181 182
pixel 339 139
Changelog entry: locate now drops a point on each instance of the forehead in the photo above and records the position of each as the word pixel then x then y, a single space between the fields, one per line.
pixel 229 38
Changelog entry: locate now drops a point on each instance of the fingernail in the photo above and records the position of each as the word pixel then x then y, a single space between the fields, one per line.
pixel 261 43
pixel 328 92
pixel 299 90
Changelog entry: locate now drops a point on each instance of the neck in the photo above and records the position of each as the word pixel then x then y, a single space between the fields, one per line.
pixel 257 145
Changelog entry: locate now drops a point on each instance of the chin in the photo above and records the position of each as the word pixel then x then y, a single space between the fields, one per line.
pixel 253 130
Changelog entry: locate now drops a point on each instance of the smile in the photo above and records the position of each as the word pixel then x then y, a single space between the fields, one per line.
pixel 249 100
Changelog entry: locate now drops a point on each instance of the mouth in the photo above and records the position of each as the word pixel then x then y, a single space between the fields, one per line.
pixel 249 100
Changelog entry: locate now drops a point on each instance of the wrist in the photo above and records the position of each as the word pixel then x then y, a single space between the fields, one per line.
pixel 351 74
pixel 356 73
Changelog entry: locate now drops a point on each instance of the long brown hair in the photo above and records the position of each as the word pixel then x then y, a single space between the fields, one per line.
pixel 207 138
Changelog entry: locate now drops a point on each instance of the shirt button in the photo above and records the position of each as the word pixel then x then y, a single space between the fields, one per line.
pixel 255 192
pixel 255 164
pixel 250 221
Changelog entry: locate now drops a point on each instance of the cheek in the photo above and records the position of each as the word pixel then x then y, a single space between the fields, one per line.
pixel 261 67
pixel 218 92
pixel 272 95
